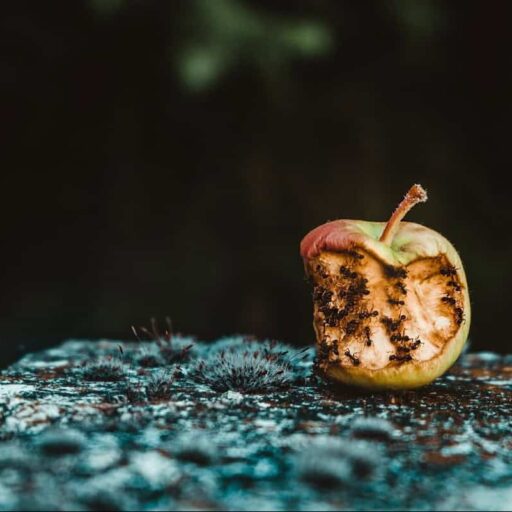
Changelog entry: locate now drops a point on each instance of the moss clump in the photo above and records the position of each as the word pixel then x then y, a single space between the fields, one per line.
pixel 159 385
pixel 164 347
pixel 245 371
pixel 104 369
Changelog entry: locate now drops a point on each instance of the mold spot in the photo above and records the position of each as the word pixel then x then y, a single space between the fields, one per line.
pixel 401 288
pixel 448 270
pixel 355 360
pixel 395 272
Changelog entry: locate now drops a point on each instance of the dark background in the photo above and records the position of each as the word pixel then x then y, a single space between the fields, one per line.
pixel 166 157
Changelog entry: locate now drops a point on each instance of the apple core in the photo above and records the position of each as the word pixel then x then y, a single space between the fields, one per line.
pixel 391 304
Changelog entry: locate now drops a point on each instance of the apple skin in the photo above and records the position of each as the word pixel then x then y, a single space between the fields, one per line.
pixel 411 242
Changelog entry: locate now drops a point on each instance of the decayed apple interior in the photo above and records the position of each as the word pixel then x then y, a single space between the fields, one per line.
pixel 373 315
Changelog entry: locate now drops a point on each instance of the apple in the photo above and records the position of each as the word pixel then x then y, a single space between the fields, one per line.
pixel 391 301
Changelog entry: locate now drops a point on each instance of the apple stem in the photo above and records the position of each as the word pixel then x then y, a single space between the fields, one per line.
pixel 416 194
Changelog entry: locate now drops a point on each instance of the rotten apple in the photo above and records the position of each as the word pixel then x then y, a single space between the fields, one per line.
pixel 391 302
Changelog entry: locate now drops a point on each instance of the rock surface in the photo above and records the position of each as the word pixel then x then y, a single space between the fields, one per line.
pixel 152 437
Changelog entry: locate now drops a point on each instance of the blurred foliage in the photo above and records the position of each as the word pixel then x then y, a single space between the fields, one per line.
pixel 225 34
pixel 420 19
pixel 107 7
pixel 220 35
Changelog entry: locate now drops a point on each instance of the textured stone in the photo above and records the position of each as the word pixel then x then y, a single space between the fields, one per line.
pixel 67 443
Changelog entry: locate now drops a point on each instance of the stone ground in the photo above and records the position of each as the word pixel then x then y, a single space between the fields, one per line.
pixel 84 427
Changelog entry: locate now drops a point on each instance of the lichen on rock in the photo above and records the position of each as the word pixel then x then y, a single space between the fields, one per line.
pixel 155 439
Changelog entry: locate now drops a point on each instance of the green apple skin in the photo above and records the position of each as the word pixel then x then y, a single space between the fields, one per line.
pixel 411 242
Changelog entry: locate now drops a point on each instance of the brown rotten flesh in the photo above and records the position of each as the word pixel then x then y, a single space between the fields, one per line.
pixel 391 305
